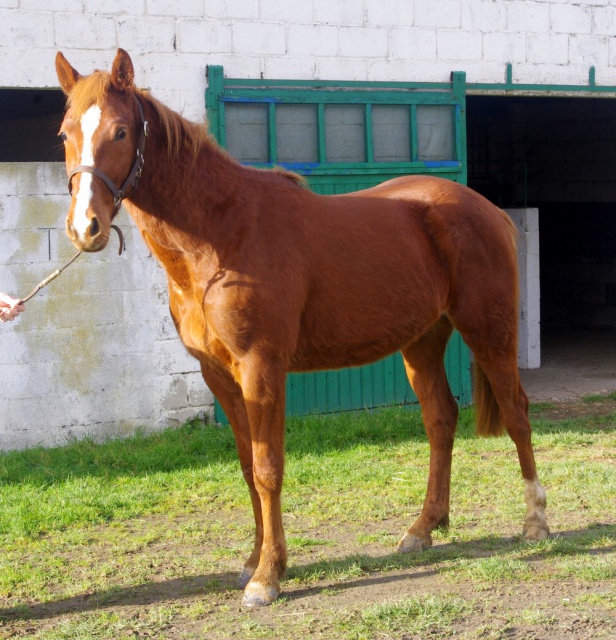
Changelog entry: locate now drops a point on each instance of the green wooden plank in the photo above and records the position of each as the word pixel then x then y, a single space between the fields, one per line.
pixel 321 144
pixel 271 134
pixel 388 381
pixel 379 172
pixel 315 85
pixel 367 395
pixel 368 137
pixel 494 88
pixel 344 390
pixel 332 398
pixel 293 407
pixel 309 385
pixel 378 383
pixel 315 96
pixel 452 362
pixel 355 383
pixel 321 397
pixel 413 133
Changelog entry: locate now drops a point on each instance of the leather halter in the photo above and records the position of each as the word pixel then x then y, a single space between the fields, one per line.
pixel 130 184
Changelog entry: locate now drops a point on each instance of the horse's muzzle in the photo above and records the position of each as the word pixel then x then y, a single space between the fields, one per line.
pixel 91 239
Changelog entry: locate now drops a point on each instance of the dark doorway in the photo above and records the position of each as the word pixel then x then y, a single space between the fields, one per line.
pixel 557 154
pixel 29 124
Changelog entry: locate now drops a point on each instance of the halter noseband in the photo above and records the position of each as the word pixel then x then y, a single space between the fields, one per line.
pixel 130 184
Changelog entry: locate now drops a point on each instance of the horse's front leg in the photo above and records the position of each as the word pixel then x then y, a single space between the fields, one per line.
pixel 264 394
pixel 229 394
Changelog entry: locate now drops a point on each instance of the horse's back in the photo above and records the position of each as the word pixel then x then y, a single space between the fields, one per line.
pixel 464 224
pixel 457 223
pixel 478 242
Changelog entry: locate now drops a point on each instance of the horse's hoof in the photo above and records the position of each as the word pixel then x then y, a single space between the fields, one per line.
pixel 410 543
pixel 535 533
pixel 258 595
pixel 245 577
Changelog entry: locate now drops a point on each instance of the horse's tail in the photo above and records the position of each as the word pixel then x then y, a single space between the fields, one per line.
pixel 487 413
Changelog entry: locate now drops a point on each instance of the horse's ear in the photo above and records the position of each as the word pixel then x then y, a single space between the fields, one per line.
pixel 122 72
pixel 66 74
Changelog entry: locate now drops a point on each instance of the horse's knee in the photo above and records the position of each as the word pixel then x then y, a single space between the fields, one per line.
pixel 267 474
pixel 441 425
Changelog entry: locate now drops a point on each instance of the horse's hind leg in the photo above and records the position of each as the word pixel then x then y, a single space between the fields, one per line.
pixel 501 401
pixel 229 394
pixel 424 362
pixel 504 384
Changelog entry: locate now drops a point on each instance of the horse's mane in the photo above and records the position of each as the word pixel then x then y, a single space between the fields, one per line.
pixel 292 176
pixel 89 90
pixel 180 133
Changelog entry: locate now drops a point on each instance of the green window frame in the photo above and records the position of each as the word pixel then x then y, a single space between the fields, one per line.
pixel 225 94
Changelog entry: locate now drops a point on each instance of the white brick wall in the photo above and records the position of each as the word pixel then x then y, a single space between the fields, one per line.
pixel 95 352
pixel 529 339
pixel 171 43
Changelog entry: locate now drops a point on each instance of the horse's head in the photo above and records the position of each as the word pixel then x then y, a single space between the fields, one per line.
pixel 104 134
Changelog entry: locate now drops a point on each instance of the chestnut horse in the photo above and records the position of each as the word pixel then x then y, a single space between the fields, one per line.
pixel 267 277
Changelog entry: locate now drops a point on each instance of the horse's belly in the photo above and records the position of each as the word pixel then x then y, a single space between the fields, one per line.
pixel 339 358
pixel 345 344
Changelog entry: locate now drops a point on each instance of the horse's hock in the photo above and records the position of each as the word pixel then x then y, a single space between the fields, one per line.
pixel 95 354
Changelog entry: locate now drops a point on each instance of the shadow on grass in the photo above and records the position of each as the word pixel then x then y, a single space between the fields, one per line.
pixel 340 574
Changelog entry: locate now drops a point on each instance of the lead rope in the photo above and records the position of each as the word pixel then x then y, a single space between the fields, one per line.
pixel 57 272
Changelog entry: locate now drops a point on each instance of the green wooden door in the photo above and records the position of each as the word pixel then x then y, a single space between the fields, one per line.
pixel 345 137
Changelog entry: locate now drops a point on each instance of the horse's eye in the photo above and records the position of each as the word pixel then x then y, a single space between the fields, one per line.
pixel 121 134
pixel 63 135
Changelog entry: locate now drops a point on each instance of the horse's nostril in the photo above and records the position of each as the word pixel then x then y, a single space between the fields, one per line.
pixel 94 227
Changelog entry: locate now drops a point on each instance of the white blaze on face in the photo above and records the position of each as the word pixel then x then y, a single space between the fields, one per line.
pixel 89 124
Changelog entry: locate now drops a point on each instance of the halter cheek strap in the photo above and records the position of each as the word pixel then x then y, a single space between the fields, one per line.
pixel 130 184
pixel 82 168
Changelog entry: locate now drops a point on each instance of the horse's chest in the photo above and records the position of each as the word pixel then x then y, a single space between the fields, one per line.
pixel 203 332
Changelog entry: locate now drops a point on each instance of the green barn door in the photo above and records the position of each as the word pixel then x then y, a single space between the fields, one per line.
pixel 344 137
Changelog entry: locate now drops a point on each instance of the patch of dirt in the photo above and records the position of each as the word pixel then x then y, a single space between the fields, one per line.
pixel 575 409
pixel 207 605
pixel 574 364
pixel 176 598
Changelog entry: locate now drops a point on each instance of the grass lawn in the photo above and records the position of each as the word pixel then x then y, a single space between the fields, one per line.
pixel 145 537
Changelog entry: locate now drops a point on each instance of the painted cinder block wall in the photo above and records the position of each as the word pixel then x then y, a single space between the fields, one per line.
pixel 96 353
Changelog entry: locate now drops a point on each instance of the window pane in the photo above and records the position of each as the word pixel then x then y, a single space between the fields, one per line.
pixel 390 133
pixel 246 130
pixel 344 133
pixel 435 135
pixel 296 132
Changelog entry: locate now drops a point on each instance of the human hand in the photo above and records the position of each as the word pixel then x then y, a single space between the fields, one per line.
pixel 10 308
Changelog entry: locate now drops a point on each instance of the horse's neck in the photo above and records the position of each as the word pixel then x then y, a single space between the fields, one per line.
pixel 176 196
